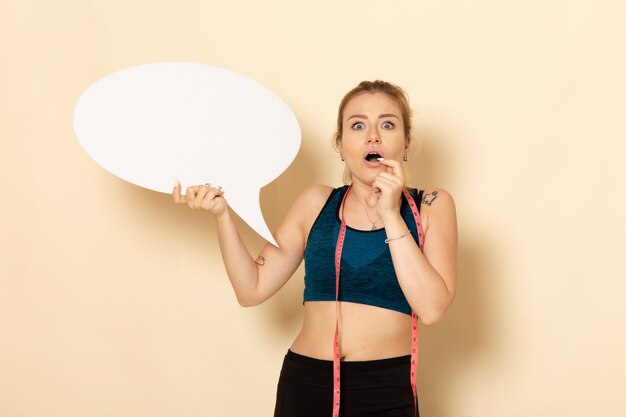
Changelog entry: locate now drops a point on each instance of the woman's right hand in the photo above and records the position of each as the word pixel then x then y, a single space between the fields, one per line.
pixel 202 197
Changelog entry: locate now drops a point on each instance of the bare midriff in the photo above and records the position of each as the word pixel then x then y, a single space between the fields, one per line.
pixel 366 332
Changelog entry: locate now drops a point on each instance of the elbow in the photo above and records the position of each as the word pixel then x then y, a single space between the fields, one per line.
pixel 431 317
pixel 434 311
pixel 248 297
pixel 434 314
pixel 247 302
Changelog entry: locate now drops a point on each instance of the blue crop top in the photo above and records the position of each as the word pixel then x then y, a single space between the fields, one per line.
pixel 367 273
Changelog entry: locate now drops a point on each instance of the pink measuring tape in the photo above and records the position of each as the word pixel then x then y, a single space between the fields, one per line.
pixel 414 334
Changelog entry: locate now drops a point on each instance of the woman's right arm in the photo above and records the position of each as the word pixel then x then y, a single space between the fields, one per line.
pixel 255 282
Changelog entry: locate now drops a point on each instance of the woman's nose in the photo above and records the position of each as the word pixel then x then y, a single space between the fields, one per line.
pixel 373 136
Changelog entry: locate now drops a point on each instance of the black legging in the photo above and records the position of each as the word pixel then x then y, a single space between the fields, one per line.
pixel 379 388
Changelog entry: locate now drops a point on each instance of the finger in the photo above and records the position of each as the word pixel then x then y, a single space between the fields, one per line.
pixel 390 177
pixel 207 203
pixel 176 195
pixel 207 200
pixel 210 200
pixel 388 187
pixel 190 194
pixel 383 186
pixel 396 167
pixel 203 193
pixel 213 193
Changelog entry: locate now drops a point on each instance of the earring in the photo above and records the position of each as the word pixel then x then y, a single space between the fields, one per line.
pixel 406 158
pixel 342 158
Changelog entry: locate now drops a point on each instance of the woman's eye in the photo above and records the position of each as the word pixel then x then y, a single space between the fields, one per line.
pixel 388 125
pixel 358 125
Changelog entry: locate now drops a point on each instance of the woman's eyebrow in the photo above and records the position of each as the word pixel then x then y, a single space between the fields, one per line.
pixel 361 116
pixel 388 115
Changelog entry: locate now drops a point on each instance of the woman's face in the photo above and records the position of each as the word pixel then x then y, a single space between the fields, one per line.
pixel 372 128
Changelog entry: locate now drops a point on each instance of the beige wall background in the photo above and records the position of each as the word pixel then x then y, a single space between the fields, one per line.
pixel 114 301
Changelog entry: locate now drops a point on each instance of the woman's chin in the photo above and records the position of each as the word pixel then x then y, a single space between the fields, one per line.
pixel 366 180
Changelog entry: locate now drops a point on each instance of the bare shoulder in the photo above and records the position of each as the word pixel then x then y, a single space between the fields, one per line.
pixel 438 205
pixel 312 199
pixel 316 191
pixel 308 204
pixel 293 231
pixel 433 195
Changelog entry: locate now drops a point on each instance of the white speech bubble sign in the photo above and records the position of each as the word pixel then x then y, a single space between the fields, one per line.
pixel 157 123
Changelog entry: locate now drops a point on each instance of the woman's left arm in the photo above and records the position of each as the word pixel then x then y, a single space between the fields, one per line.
pixel 428 279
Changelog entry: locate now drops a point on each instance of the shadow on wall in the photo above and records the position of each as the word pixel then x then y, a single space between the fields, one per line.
pixel 448 349
pixel 283 312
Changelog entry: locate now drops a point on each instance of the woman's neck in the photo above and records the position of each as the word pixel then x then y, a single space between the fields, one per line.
pixel 363 191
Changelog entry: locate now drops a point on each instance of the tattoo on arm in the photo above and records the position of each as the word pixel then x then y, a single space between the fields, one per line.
pixel 260 260
pixel 428 198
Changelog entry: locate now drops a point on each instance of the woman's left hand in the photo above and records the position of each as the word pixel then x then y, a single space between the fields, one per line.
pixel 388 186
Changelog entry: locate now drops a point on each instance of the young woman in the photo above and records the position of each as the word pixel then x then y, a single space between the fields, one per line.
pixel 371 230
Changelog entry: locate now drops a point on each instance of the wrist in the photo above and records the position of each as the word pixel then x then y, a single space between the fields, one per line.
pixel 224 216
pixel 403 235
pixel 391 217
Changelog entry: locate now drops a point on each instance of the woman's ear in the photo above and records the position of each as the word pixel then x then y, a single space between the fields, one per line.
pixel 407 148
pixel 339 147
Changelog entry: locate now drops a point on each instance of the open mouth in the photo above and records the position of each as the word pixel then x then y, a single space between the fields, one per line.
pixel 372 156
